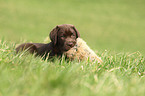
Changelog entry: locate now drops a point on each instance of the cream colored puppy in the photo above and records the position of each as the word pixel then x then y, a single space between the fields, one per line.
pixel 81 51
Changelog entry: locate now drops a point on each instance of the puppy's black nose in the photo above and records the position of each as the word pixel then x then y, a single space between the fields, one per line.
pixel 70 44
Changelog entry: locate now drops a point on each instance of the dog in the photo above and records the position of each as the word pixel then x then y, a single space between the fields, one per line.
pixel 81 51
pixel 63 37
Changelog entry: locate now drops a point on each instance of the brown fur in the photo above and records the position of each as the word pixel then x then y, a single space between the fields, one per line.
pixel 63 37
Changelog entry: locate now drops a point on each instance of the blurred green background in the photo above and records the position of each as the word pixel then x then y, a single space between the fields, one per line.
pixel 116 25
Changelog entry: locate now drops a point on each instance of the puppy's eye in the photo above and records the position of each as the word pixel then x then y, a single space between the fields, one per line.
pixel 62 36
pixel 72 34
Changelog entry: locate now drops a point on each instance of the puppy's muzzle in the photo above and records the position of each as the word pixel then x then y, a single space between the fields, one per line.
pixel 71 44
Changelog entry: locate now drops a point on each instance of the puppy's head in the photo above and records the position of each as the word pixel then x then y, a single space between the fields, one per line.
pixel 64 36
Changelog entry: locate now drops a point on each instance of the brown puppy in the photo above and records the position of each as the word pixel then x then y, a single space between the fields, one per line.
pixel 63 37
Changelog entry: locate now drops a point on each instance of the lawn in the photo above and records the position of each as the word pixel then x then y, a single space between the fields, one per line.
pixel 112 28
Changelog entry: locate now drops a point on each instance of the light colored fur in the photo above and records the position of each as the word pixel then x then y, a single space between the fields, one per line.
pixel 81 51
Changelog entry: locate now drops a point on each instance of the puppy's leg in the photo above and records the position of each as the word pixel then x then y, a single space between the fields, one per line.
pixel 30 47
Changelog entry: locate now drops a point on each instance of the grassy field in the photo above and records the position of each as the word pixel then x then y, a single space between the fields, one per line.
pixel 120 74
pixel 113 28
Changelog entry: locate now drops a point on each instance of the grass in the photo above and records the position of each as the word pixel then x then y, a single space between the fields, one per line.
pixel 104 24
pixel 115 28
pixel 121 74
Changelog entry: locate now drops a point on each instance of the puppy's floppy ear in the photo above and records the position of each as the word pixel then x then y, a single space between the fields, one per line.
pixel 77 32
pixel 53 35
